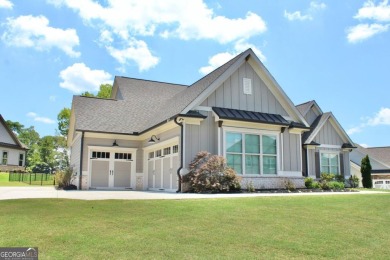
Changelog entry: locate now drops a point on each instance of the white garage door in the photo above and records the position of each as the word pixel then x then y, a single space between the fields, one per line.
pixel 162 168
pixel 110 170
pixel 382 184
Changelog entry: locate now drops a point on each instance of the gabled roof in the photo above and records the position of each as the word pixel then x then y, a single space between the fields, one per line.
pixel 138 105
pixel 304 108
pixel 18 144
pixel 317 125
pixel 379 154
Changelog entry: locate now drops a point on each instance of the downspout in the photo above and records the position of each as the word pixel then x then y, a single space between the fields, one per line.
pixel 81 159
pixel 181 152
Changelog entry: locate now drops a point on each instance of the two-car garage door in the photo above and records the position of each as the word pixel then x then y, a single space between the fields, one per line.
pixel 162 168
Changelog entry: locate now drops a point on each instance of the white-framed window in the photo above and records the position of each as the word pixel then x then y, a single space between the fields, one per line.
pixel 4 159
pixel 21 159
pixel 123 156
pixel 151 155
pixel 100 155
pixel 330 162
pixel 167 150
pixel 175 149
pixel 158 153
pixel 252 153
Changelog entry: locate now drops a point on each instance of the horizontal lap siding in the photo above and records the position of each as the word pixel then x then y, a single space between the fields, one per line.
pixel 230 94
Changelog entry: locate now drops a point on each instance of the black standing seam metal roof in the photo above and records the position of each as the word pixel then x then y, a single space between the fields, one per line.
pixel 250 116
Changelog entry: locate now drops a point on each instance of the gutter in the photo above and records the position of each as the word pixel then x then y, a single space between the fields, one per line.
pixel 181 153
pixel 81 159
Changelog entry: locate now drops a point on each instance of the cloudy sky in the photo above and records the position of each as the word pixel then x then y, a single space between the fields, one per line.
pixel 336 52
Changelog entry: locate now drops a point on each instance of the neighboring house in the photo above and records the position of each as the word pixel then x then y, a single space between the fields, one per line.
pixel 380 163
pixel 326 146
pixel 12 151
pixel 145 136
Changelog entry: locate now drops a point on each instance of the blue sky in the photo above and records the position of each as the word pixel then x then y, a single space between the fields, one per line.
pixel 335 52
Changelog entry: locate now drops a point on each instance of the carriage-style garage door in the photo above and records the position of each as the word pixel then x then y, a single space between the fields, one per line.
pixel 162 168
pixel 111 169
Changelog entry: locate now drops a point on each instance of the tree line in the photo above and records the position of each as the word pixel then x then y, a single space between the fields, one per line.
pixel 50 153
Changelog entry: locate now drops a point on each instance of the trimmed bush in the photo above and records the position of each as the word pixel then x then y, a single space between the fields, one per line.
pixel 289 185
pixel 210 173
pixel 335 185
pixel 316 185
pixel 339 178
pixel 365 169
pixel 309 182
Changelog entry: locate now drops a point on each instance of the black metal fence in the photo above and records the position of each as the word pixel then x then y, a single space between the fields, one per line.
pixel 33 178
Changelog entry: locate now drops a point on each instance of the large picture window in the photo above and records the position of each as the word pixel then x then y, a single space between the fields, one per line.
pixel 251 153
pixel 330 163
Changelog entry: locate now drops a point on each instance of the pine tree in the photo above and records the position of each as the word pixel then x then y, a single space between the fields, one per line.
pixel 365 169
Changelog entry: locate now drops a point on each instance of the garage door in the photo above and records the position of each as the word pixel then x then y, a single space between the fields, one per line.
pixel 162 168
pixel 110 169
pixel 382 184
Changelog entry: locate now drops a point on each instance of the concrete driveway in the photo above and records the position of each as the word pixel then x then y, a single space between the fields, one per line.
pixel 7 193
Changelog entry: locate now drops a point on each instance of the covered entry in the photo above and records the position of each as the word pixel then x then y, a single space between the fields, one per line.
pixel 111 168
pixel 162 165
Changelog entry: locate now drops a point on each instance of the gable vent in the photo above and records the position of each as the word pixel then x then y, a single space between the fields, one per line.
pixel 247 86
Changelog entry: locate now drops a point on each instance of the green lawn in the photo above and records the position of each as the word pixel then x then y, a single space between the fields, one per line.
pixel 308 227
pixel 4 180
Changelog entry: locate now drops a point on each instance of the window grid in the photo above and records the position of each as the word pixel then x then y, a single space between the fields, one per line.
pixel 5 158
pixel 21 159
pixel 328 164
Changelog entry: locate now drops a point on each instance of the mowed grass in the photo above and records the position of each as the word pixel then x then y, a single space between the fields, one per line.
pixel 305 227
pixel 4 177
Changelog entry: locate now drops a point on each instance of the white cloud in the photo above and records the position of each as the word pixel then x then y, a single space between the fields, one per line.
pixel 364 145
pixel 379 13
pixel 136 51
pixel 382 117
pixel 79 78
pixel 297 16
pixel 221 58
pixel 37 118
pixel 310 12
pixel 35 32
pixel 185 20
pixel 6 4
pixel 362 32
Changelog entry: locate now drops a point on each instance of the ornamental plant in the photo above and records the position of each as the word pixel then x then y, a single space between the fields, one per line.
pixel 210 173
pixel 365 169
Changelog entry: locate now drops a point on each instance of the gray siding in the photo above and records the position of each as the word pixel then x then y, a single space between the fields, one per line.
pixel 311 116
pixel 291 152
pixel 201 137
pixel 347 165
pixel 5 136
pixel 230 94
pixel 311 165
pixel 328 135
pixel 75 155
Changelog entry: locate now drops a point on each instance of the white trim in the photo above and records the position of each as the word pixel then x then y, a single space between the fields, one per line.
pixel 203 108
pixel 332 146
pixel 300 152
pixel 78 135
pixel 219 140
pixel 290 174
pixel 308 162
pixel 281 152
pixel 241 131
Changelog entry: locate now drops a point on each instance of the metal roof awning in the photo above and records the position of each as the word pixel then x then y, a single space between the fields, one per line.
pixel 250 116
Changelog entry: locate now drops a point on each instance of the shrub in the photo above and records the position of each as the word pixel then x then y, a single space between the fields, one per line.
pixel 335 185
pixel 327 177
pixel 316 185
pixel 309 182
pixel 210 173
pixel 289 184
pixel 353 181
pixel 64 177
pixel 250 187
pixel 339 178
pixel 365 169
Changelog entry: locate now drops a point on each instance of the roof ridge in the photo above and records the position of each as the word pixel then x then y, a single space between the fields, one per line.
pixel 156 81
pixel 113 99
pixel 304 103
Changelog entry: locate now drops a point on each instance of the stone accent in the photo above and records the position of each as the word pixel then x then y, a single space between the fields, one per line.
pixel 271 182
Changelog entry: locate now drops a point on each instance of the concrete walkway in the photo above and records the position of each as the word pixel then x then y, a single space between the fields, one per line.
pixel 7 193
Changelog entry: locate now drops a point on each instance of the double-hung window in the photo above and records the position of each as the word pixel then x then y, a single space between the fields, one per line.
pixel 252 154
pixel 5 158
pixel 330 163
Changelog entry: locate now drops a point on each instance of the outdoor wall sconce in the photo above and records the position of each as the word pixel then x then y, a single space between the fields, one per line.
pixel 153 139
pixel 114 143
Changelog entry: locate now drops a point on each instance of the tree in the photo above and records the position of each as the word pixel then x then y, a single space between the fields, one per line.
pixel 105 91
pixel 30 137
pixel 15 126
pixel 63 121
pixel 365 169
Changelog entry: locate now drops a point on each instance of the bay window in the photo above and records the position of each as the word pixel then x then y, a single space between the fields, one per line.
pixel 252 154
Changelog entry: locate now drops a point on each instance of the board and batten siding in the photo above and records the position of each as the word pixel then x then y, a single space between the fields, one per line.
pixel 201 137
pixel 231 95
pixel 328 135
pixel 291 152
pixel 311 116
